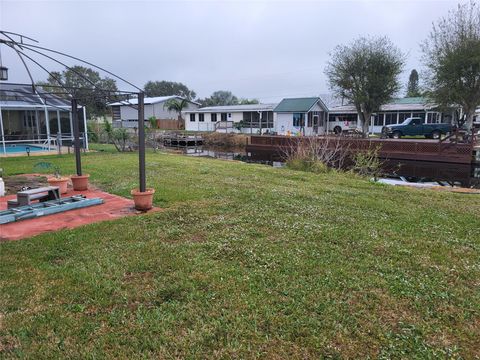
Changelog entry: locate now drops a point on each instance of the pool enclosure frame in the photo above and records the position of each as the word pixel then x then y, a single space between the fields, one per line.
pixel 25 46
pixel 31 113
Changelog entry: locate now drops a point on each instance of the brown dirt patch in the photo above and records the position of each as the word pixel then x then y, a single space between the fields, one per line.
pixel 14 184
pixel 8 343
pixel 221 139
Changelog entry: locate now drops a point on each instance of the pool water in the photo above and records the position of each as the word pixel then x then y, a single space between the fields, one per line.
pixel 21 148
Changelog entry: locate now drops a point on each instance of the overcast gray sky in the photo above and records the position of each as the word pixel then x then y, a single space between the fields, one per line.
pixel 262 49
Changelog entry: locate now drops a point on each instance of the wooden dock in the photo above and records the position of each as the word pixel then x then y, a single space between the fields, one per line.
pixel 182 141
pixel 399 149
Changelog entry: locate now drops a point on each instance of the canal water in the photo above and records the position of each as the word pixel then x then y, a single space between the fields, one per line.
pixel 417 173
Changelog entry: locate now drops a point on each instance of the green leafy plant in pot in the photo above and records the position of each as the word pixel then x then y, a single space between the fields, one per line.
pixel 57 179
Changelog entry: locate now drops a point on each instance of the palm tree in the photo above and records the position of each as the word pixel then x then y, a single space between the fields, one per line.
pixel 178 106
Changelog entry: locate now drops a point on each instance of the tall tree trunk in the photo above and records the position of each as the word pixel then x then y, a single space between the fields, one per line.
pixel 181 123
pixel 470 113
pixel 365 123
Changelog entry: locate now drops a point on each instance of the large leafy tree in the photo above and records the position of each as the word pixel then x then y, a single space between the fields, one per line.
pixel 86 84
pixel 220 98
pixel 452 58
pixel 366 73
pixel 413 87
pixel 223 98
pixel 245 101
pixel 167 88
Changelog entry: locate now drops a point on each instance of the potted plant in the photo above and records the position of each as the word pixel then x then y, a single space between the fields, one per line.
pixel 143 200
pixel 80 182
pixel 57 179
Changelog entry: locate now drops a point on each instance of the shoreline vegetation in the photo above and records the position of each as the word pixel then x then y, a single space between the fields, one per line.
pixel 226 140
pixel 246 261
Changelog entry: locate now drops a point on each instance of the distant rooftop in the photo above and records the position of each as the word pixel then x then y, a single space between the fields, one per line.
pixel 234 108
pixel 397 104
pixel 150 100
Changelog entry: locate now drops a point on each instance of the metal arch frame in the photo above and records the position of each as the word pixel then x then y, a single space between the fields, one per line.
pixel 20 47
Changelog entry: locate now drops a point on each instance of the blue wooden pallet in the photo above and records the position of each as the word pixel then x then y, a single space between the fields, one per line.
pixel 47 208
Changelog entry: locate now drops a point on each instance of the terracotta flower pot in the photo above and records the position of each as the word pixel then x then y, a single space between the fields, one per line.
pixel 143 200
pixel 62 183
pixel 80 182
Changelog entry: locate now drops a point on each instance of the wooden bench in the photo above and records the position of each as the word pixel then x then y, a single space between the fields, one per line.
pixel 41 194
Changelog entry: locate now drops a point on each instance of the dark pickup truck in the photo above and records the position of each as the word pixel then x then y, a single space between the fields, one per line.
pixel 414 127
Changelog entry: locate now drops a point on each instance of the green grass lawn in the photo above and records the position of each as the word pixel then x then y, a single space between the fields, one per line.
pixel 247 261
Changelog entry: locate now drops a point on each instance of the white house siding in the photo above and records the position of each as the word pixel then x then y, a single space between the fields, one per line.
pixel 157 110
pixel 207 124
pixel 284 124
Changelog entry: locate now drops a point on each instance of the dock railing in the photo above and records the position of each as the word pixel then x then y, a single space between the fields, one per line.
pixel 408 149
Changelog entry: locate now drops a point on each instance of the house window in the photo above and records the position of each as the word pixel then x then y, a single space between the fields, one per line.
pixel 266 120
pixel 213 117
pixel 201 117
pixel 116 115
pixel 298 119
pixel 433 118
pixel 223 116
pixel 247 119
pixel 403 116
pixel 192 117
pixel 378 120
pixel 255 120
pixel 390 118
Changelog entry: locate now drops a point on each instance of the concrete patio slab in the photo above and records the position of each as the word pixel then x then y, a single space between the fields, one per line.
pixel 114 207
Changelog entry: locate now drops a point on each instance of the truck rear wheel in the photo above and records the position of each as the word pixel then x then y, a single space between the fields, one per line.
pixel 397 135
pixel 337 130
pixel 436 134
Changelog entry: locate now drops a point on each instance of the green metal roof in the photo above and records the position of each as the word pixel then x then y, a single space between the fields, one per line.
pixel 296 105
pixel 409 100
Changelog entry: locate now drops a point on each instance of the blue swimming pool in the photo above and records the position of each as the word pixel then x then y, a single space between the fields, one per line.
pixel 22 148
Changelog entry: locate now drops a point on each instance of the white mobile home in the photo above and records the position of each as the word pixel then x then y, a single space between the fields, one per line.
pixel 252 118
pixel 344 117
pixel 125 113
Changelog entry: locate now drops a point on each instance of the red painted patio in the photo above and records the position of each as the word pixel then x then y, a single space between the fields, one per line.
pixel 114 207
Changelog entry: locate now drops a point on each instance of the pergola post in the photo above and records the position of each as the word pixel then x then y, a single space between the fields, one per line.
pixel 85 134
pixel 141 141
pixel 76 137
pixel 71 123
